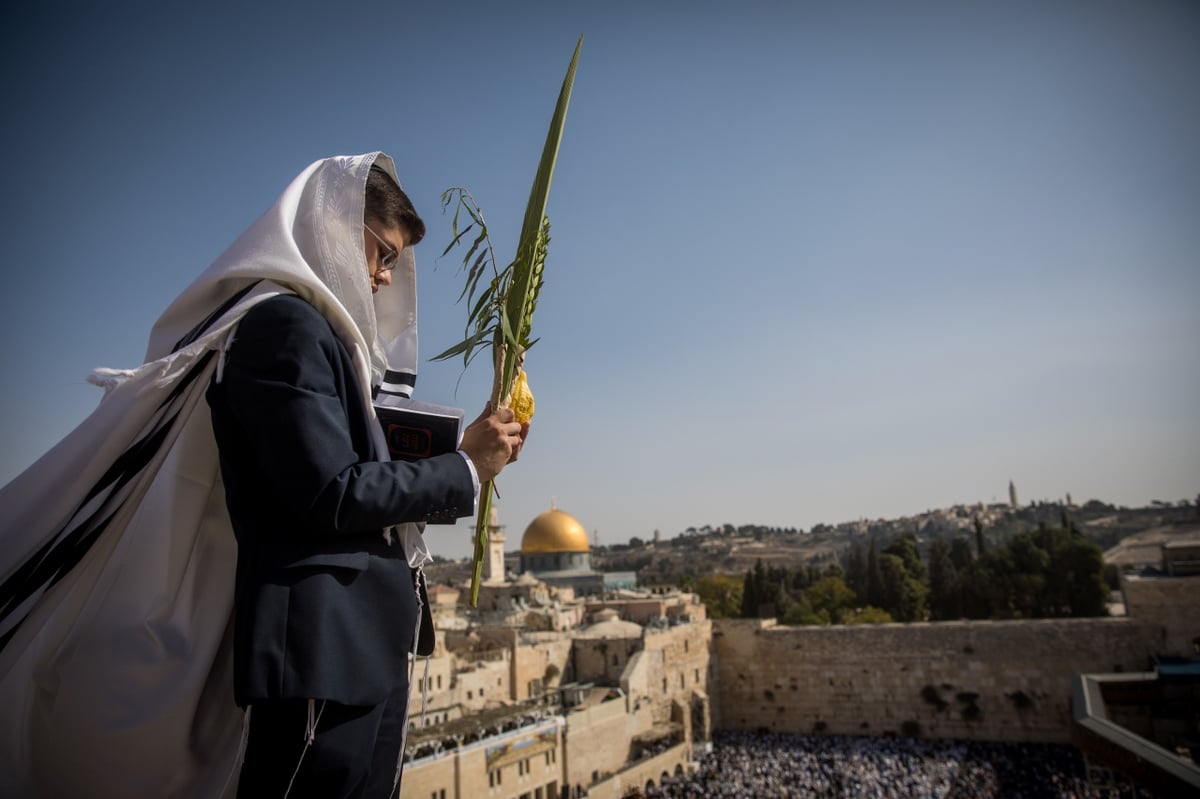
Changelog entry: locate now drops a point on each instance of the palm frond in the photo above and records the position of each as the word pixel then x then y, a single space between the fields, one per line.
pixel 501 314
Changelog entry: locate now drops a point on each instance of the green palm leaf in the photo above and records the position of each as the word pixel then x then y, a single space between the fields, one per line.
pixel 505 308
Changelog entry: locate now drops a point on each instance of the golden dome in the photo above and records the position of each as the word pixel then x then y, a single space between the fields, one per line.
pixel 554 531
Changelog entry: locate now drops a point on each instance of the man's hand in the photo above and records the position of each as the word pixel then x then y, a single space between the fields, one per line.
pixel 493 441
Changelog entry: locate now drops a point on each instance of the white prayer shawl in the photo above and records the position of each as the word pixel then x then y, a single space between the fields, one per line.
pixel 116 552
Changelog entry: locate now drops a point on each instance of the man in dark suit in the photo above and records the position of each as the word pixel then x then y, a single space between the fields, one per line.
pixel 325 608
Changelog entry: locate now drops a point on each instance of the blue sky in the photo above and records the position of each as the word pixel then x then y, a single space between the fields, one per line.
pixel 811 262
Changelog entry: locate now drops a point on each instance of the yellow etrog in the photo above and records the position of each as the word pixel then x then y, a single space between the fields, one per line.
pixel 522 399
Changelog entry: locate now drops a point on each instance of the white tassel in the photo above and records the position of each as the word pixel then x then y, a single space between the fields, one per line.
pixel 241 752
pixel 310 729
pixel 412 662
pixel 108 379
pixel 310 734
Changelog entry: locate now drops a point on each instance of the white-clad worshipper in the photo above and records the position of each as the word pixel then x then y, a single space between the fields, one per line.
pixel 212 586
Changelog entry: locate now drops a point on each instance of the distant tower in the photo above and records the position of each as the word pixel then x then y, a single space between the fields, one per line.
pixel 493 571
pixel 657 537
pixel 1012 494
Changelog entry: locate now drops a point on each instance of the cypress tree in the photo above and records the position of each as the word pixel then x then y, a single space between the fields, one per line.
pixel 980 545
pixel 856 572
pixel 874 577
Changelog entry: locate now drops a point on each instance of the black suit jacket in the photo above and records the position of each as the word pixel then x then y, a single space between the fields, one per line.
pixel 324 607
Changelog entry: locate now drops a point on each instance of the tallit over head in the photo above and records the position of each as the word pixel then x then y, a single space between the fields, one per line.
pixel 311 242
pixel 117 556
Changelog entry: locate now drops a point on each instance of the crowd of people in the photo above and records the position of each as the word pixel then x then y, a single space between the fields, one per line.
pixel 743 765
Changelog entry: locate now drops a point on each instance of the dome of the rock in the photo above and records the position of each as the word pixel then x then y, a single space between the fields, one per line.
pixel 554 531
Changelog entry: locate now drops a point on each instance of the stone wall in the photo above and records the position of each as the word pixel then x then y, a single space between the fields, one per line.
pixel 540 666
pixel 678 667
pixel 648 773
pixel 985 680
pixel 483 684
pixel 603 660
pixel 1171 602
pixel 599 739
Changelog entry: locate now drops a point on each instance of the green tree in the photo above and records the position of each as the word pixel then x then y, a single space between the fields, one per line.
pixel 908 550
pixel 1077 567
pixel 960 554
pixel 994 581
pixel 973 593
pixel 833 570
pixel 784 601
pixel 945 601
pixel 856 570
pixel 761 590
pixel 801 613
pixel 903 595
pixel 749 596
pixel 830 596
pixel 1027 579
pixel 980 544
pixel 874 578
pixel 720 593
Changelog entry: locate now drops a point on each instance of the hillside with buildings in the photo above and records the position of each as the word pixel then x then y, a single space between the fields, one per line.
pixel 729 549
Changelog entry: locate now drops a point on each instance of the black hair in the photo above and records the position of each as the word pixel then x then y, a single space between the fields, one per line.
pixel 387 204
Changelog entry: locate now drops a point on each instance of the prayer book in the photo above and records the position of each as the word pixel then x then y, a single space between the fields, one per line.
pixel 416 430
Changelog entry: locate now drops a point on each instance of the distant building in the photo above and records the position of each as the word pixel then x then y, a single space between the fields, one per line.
pixel 1168 596
pixel 537 693
pixel 494 571
pixel 1181 558
pixel 1012 495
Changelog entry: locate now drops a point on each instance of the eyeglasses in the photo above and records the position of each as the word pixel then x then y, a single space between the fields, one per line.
pixel 391 255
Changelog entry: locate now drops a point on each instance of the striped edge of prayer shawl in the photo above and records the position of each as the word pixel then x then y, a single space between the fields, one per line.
pixel 397 384
pixel 49 564
pixel 115 654
pixel 21 589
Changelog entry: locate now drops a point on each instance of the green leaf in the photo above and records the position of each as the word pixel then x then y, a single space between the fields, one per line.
pixel 504 310
pixel 480 239
pixel 475 214
pixel 481 304
pixel 517 298
pixel 457 238
pixel 466 345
